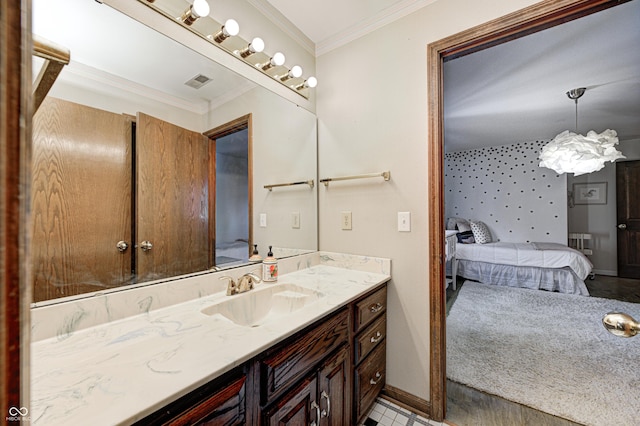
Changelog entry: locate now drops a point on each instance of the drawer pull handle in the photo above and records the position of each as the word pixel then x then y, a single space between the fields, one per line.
pixel 376 308
pixel 378 376
pixel 376 338
pixel 317 407
pixel 325 413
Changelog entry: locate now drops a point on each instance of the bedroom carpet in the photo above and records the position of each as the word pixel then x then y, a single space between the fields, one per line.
pixel 545 350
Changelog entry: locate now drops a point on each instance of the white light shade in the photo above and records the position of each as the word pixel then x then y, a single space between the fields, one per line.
pixel 572 153
pixel 278 59
pixel 231 28
pixel 257 45
pixel 200 8
pixel 312 82
pixel 295 71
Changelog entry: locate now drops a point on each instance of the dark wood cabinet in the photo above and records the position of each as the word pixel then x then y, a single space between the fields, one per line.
pixel 222 401
pixel 328 374
pixel 369 351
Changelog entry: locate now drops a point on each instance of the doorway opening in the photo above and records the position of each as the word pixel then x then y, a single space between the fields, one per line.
pixel 535 18
pixel 230 202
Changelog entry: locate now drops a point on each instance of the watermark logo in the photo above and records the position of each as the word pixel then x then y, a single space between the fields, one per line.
pixel 18 414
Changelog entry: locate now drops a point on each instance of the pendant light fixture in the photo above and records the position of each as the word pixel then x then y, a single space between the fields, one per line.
pixel 574 153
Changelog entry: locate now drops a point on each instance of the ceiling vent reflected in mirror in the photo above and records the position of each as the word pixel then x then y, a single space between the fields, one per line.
pixel 198 81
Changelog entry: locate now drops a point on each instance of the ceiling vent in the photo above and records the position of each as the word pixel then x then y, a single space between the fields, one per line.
pixel 198 81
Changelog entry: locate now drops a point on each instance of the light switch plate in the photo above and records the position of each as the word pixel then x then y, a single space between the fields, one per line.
pixel 263 220
pixel 404 221
pixel 295 220
pixel 345 221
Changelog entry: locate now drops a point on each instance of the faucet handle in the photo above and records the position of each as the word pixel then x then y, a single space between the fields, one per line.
pixel 232 286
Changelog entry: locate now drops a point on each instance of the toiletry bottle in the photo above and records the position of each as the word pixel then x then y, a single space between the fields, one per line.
pixel 270 268
pixel 255 256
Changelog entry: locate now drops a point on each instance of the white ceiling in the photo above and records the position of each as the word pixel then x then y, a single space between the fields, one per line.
pixel 516 91
pixel 332 23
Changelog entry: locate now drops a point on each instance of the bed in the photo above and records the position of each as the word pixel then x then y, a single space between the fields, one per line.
pixel 543 266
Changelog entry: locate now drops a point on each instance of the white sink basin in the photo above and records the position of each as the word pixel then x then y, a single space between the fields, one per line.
pixel 263 303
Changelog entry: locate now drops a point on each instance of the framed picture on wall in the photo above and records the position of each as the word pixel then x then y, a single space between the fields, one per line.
pixel 590 193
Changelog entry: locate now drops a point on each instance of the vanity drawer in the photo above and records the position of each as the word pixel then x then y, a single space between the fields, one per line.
pixel 370 307
pixel 369 380
pixel 295 358
pixel 371 337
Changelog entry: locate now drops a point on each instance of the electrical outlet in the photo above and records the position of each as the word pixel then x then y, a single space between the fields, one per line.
pixel 295 220
pixel 404 221
pixel 345 220
pixel 263 220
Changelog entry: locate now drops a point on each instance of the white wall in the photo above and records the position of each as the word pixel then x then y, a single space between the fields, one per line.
pixel 504 187
pixel 600 219
pixel 284 150
pixel 372 109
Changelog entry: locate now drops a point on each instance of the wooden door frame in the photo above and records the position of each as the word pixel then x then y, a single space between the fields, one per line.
pixel 537 17
pixel 15 134
pixel 240 123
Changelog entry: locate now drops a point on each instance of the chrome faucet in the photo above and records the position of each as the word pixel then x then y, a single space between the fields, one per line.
pixel 244 283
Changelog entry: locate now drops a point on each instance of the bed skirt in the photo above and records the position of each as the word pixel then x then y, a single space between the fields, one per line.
pixel 562 280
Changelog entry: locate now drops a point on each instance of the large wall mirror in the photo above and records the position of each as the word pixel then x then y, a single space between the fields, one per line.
pixel 150 160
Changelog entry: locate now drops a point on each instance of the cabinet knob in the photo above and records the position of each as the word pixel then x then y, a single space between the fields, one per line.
pixel 146 246
pixel 122 246
pixel 376 338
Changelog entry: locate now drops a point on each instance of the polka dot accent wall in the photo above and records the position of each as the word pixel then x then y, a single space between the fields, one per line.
pixel 503 187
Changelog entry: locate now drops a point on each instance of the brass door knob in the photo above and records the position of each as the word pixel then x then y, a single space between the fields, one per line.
pixel 622 226
pixel 620 324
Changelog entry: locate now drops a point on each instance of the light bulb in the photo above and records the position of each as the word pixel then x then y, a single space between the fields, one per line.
pixel 200 8
pixel 276 60
pixel 311 82
pixel 256 46
pixel 294 72
pixel 229 29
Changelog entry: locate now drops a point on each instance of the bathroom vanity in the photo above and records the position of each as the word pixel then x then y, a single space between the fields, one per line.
pixel 314 355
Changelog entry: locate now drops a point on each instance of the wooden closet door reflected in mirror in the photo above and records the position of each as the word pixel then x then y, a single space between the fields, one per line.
pixel 172 199
pixel 87 197
pixel 81 178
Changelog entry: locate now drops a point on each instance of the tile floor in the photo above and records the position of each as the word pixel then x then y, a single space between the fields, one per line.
pixel 386 413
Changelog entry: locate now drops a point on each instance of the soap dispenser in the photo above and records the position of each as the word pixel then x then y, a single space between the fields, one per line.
pixel 255 256
pixel 270 268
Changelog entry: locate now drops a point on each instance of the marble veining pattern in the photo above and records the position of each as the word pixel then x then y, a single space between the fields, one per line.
pixel 121 371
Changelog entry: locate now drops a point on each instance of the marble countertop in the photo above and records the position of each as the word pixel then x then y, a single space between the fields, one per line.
pixel 123 370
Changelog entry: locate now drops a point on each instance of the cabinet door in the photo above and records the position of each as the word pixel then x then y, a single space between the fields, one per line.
pixel 172 199
pixel 333 389
pixel 81 176
pixel 297 408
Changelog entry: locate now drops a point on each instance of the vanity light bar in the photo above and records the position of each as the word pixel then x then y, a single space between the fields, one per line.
pixel 200 10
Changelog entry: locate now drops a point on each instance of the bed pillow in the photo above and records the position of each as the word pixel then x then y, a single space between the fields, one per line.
pixel 465 237
pixel 481 233
pixel 451 224
pixel 463 225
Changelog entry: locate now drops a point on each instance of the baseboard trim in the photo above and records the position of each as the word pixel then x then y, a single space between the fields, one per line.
pixel 406 400
pixel 607 272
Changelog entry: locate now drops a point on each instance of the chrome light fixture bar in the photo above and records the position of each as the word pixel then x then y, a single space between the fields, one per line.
pixel 252 53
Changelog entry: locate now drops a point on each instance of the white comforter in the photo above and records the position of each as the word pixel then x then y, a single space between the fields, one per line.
pixel 542 255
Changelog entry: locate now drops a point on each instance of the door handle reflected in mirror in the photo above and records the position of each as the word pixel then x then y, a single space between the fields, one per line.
pixel 622 226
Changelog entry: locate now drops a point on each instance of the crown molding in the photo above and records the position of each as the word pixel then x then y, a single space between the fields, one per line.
pixel 385 17
pixel 282 22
